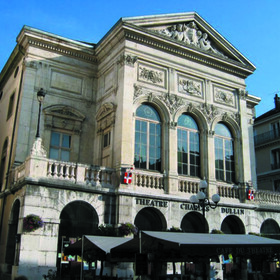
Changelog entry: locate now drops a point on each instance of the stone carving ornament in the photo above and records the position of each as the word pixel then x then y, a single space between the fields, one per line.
pixel 190 86
pixel 209 110
pixel 151 75
pixel 224 97
pixel 127 59
pixel 173 102
pixel 190 34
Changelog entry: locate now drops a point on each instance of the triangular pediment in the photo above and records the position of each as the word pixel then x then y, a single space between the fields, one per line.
pixel 191 31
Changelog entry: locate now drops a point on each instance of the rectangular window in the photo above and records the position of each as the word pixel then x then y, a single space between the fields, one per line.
pixel 60 146
pixel 11 106
pixel 277 185
pixel 106 139
pixel 275 128
pixel 275 159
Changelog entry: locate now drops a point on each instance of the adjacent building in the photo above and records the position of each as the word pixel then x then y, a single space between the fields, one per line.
pixel 267 146
pixel 159 99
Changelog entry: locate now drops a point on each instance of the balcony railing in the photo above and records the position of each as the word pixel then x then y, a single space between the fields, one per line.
pixel 188 185
pixel 60 171
pixel 266 137
pixel 149 180
pixel 228 191
pixel 100 177
pixel 267 198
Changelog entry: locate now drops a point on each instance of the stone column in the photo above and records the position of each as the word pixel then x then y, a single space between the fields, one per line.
pixel 172 172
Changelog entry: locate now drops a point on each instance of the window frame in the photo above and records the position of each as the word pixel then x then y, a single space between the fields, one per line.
pixel 158 136
pixel 106 143
pixel 189 132
pixel 60 148
pixel 11 105
pixel 275 159
pixel 224 141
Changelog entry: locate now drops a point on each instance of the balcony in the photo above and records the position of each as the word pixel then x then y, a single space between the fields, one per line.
pixel 83 177
pixel 266 137
pixel 66 174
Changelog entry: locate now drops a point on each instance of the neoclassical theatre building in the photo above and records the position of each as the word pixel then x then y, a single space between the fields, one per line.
pixel 161 98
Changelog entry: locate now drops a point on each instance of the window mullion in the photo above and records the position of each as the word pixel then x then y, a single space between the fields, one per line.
pixel 224 159
pixel 188 151
pixel 148 146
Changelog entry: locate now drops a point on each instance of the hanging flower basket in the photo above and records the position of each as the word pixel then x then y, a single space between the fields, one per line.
pixel 127 229
pixel 32 222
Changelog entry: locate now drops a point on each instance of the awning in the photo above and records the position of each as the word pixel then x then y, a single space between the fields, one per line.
pixel 203 244
pixel 98 246
pixel 173 246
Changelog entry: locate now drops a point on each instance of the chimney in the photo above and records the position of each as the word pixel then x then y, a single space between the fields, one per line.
pixel 277 102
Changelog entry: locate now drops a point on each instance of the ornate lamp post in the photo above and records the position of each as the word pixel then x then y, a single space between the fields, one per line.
pixel 201 200
pixel 40 96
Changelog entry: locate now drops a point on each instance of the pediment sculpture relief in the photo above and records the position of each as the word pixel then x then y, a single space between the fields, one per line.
pixel 190 34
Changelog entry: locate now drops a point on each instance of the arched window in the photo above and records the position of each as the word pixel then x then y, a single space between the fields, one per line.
pixel 188 146
pixel 147 153
pixel 224 154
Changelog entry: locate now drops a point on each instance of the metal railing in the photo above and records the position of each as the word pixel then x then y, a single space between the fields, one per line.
pixel 266 137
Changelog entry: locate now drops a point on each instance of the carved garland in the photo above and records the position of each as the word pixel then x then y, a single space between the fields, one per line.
pixel 150 75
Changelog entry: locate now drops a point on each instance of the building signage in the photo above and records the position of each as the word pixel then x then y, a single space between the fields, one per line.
pixel 187 206
pixel 232 211
pixel 151 202
pixel 245 250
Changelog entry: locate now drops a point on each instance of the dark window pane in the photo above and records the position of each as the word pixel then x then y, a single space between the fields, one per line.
pixel 66 139
pixel 54 153
pixel 55 139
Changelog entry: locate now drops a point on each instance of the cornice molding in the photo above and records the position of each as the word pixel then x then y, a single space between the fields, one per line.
pixel 64 51
pixel 176 48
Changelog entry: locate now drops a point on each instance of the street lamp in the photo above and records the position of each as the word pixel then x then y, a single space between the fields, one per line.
pixel 40 96
pixel 201 200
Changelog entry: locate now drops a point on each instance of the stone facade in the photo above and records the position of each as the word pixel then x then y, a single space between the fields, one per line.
pixel 178 65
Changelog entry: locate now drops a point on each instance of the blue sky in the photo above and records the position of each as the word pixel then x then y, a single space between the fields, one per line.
pixel 251 26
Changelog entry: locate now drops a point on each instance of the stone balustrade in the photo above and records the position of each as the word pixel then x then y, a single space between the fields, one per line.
pixel 35 168
pixel 148 180
pixel 228 191
pixel 62 170
pixel 102 177
pixel 187 185
pixel 267 197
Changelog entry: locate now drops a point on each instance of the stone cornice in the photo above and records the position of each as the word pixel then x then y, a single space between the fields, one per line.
pixel 62 50
pixel 160 42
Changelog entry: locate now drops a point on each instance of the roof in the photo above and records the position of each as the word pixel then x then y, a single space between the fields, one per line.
pixel 268 114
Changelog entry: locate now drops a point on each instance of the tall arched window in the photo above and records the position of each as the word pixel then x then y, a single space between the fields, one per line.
pixel 188 146
pixel 224 154
pixel 147 153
